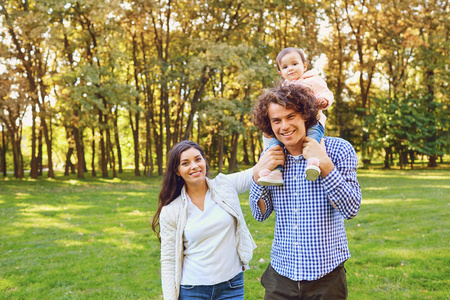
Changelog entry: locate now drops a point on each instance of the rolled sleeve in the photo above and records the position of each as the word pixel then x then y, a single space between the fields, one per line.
pixel 260 192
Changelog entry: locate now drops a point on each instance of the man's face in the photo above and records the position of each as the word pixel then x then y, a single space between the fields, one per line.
pixel 288 127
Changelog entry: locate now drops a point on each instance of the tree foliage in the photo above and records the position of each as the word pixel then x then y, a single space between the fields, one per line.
pixel 157 72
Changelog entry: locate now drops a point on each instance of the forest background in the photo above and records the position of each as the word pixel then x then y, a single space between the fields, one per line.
pixel 111 84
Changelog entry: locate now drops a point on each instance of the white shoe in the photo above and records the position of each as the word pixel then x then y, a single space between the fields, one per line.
pixel 270 178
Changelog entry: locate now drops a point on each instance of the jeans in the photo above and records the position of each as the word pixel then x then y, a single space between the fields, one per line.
pixel 316 132
pixel 231 289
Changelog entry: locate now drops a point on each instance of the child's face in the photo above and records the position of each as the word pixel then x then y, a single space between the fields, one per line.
pixel 292 66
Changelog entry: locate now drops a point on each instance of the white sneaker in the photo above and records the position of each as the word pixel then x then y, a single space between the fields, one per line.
pixel 270 178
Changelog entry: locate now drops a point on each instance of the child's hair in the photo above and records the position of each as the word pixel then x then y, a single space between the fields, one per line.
pixel 287 51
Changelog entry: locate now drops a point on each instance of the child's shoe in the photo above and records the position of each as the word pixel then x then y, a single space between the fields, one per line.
pixel 270 178
pixel 312 171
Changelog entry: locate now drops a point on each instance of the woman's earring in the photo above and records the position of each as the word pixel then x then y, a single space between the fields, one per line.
pixel 178 177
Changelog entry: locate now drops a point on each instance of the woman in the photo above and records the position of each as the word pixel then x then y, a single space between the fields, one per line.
pixel 205 242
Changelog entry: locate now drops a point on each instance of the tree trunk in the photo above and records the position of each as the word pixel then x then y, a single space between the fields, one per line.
pixel 233 155
pixel 253 147
pixel 17 154
pixel 83 152
pixel 135 125
pixel 220 157
pixel 3 153
pixel 117 142
pixel 246 159
pixel 80 153
pixel 103 165
pixel 69 164
pixel 110 151
pixel 93 172
pixel 33 163
pixel 148 148
pixel 432 162
pixel 48 142
pixel 135 132
pixel 387 151
pixel 39 158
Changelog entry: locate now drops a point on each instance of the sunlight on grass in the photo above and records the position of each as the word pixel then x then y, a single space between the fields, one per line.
pixel 6 284
pixel 390 200
pixel 74 182
pixel 76 239
pixel 375 188
pixel 47 224
pixel 69 243
pixel 51 208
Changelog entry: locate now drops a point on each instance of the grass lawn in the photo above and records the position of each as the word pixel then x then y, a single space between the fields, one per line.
pixel 69 239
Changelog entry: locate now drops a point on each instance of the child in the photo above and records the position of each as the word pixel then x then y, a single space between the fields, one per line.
pixel 291 65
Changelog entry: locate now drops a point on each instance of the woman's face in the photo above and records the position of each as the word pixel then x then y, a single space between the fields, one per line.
pixel 192 167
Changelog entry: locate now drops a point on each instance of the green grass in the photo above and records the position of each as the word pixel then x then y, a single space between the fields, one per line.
pixel 65 238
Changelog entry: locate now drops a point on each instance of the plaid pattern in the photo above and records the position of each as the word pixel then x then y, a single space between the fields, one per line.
pixel 310 239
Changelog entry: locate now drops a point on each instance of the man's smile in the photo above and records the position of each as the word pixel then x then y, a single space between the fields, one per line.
pixel 287 134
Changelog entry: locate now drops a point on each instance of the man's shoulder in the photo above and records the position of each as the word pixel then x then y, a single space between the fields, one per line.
pixel 336 140
pixel 337 144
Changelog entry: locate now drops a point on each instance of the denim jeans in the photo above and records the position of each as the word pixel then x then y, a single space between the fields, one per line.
pixel 231 289
pixel 316 132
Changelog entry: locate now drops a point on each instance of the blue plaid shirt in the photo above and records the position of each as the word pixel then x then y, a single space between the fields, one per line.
pixel 310 239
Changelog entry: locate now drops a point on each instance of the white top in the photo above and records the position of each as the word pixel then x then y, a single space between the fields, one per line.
pixel 225 190
pixel 210 255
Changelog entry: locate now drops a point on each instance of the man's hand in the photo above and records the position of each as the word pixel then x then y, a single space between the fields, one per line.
pixel 311 148
pixel 273 157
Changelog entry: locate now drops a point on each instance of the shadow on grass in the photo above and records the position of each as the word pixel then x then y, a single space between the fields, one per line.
pixel 76 238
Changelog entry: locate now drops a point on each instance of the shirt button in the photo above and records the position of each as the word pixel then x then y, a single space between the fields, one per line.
pixel 296 243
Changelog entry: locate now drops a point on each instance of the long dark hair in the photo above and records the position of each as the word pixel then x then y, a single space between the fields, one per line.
pixel 172 183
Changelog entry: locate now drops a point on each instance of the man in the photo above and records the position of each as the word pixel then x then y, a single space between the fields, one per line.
pixel 310 244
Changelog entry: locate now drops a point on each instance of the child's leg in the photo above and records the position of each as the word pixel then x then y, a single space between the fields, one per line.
pixel 316 132
pixel 312 168
pixel 274 142
pixel 271 177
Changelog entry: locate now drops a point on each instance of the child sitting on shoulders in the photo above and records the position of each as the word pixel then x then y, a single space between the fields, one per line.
pixel 291 65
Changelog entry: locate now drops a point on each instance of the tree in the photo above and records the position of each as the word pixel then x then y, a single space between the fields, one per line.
pixel 14 100
pixel 26 23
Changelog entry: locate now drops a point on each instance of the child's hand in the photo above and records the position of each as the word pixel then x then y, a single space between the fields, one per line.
pixel 322 103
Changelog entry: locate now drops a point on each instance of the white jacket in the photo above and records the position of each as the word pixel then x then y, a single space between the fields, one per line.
pixel 172 221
